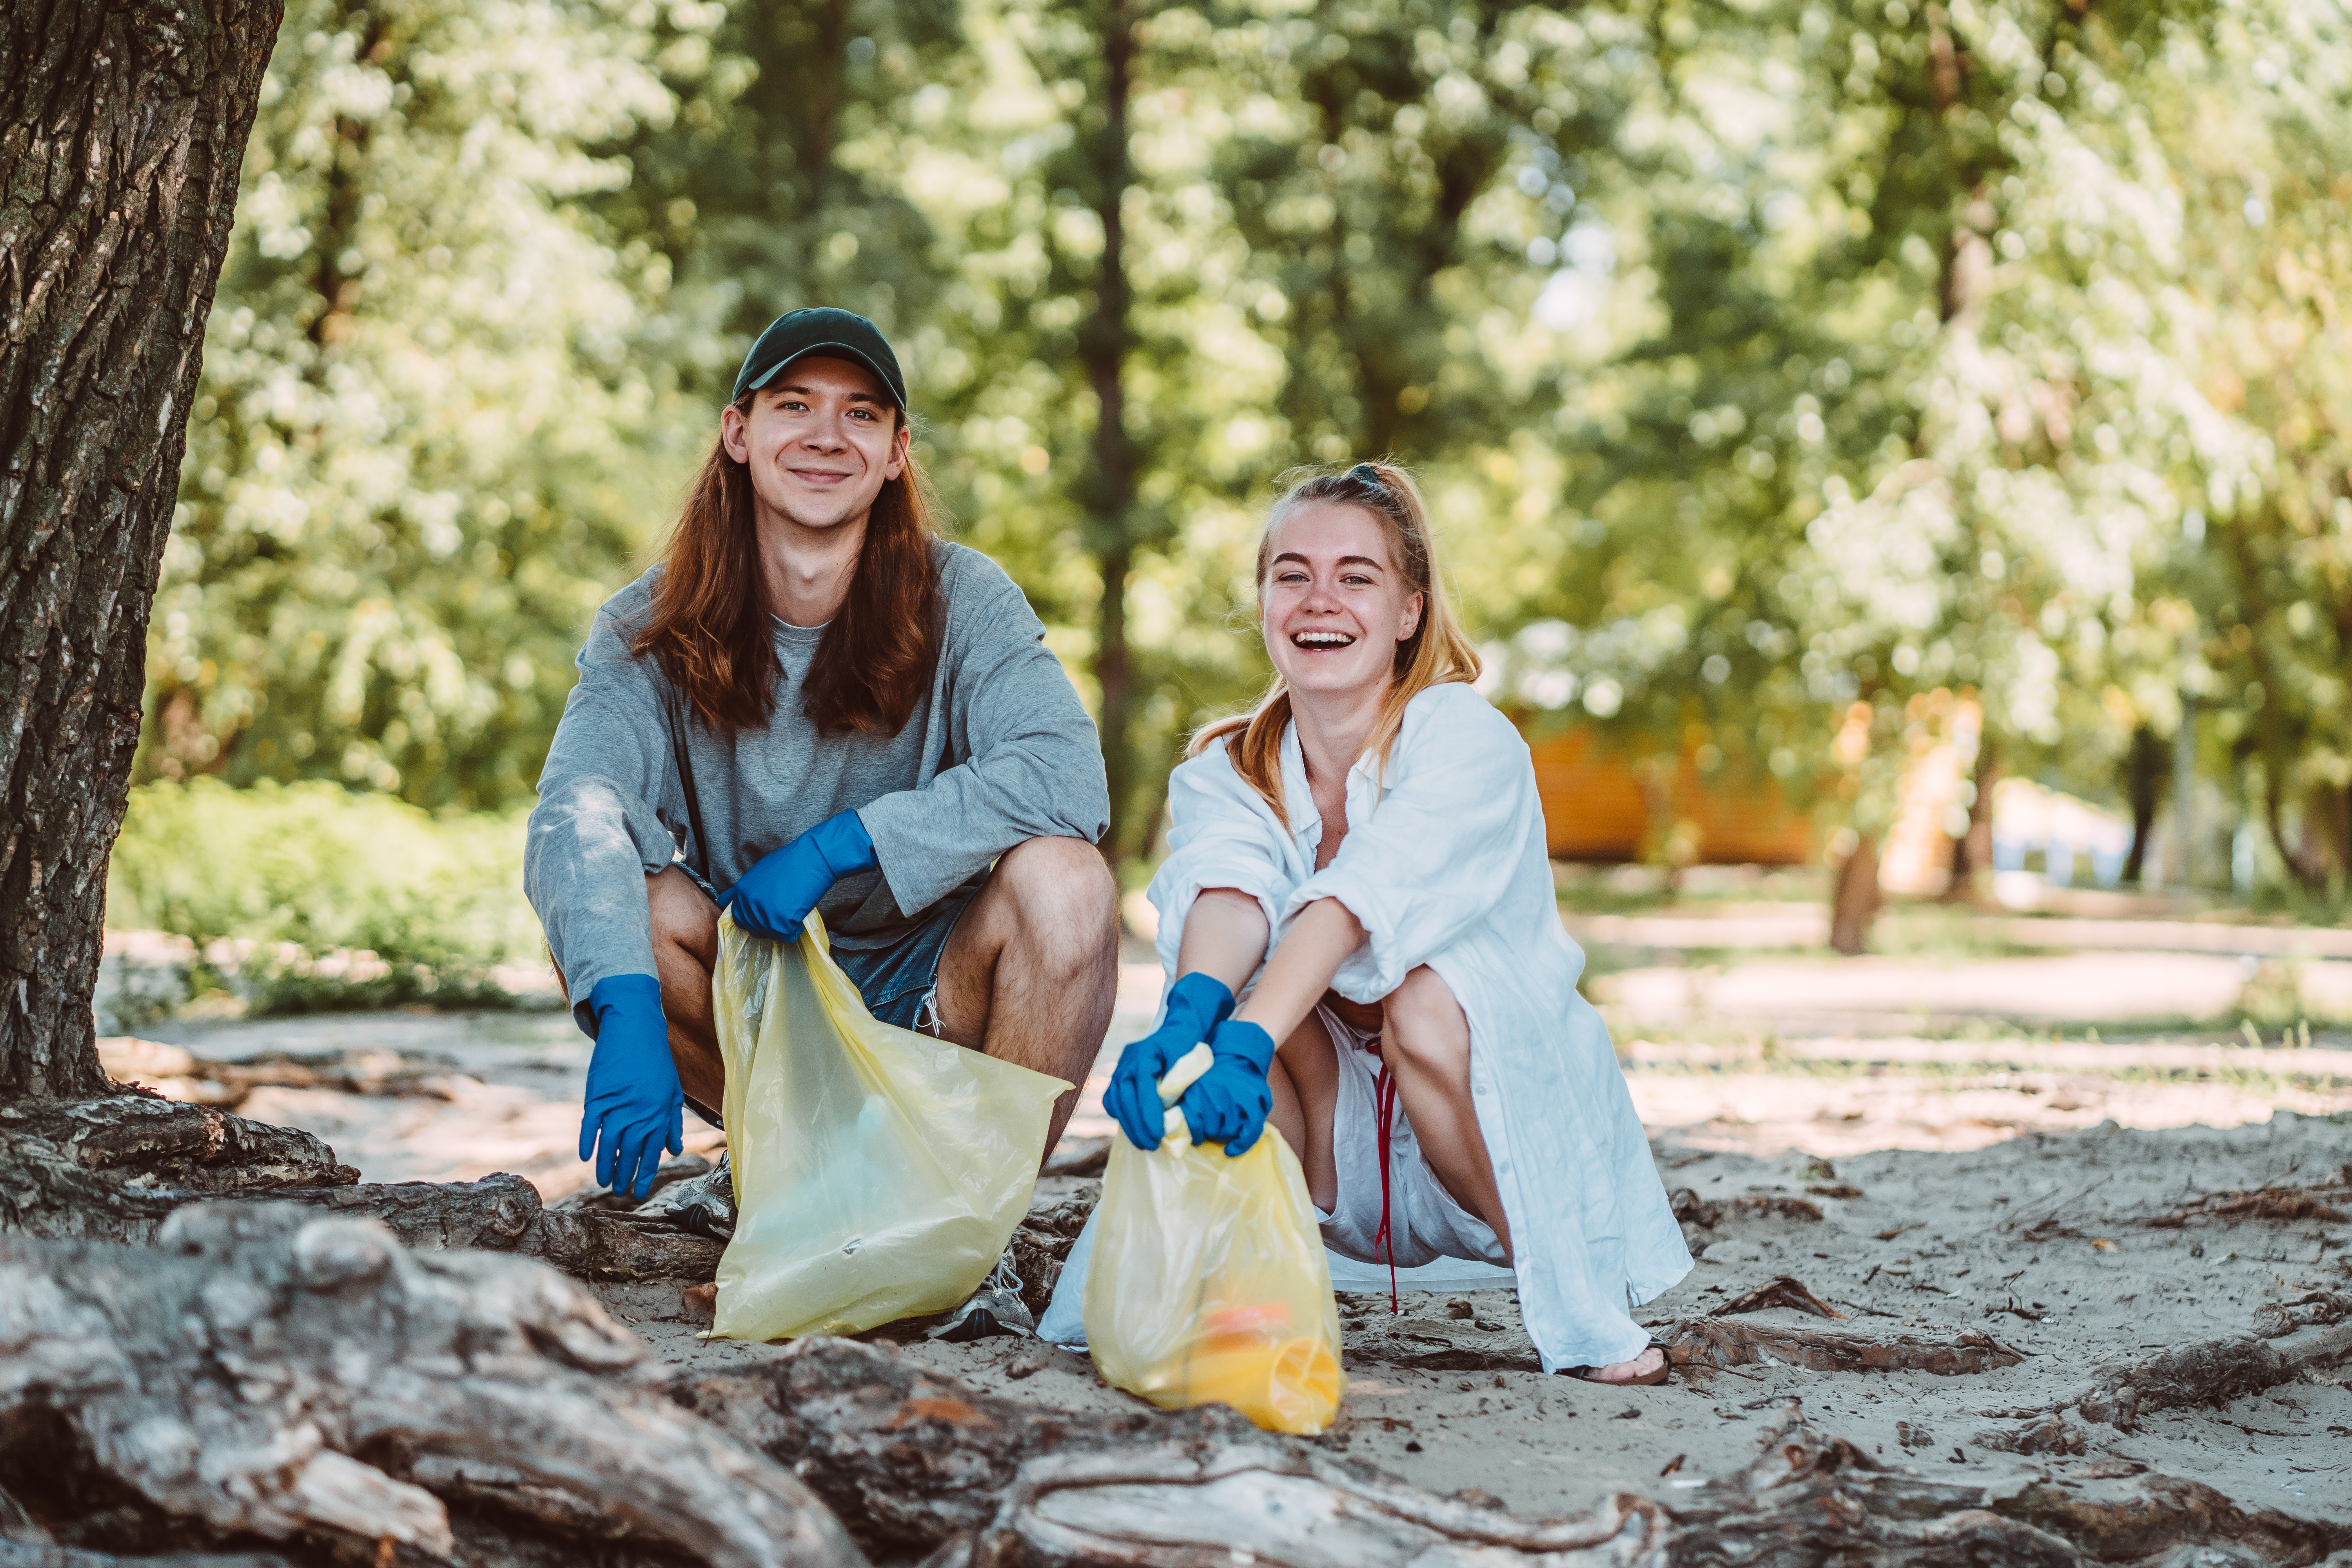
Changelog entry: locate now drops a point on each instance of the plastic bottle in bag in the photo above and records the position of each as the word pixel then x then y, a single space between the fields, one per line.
pixel 1208 1283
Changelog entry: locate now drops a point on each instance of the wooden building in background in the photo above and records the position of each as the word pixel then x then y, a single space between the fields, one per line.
pixel 1602 806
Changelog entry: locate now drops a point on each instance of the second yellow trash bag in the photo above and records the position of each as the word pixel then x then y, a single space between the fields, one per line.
pixel 878 1173
pixel 1209 1285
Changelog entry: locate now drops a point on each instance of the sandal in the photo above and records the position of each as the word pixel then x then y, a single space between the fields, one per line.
pixel 1647 1380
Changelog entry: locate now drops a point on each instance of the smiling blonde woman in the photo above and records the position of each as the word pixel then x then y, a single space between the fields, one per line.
pixel 1361 860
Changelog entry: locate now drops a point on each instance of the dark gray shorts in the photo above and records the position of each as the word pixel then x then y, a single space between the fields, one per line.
pixel 898 979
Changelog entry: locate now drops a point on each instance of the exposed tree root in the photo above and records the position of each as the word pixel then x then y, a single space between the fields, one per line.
pixel 1781 1291
pixel 1178 1505
pixel 1711 1342
pixel 907 1459
pixel 266 1373
pixel 1709 1213
pixel 2051 1435
pixel 2318 1309
pixel 2276 1202
pixel 2213 1372
pixel 115 1168
pixel 1810 1500
pixel 273 1387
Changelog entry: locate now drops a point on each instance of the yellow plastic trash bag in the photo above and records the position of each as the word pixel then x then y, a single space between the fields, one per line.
pixel 1208 1283
pixel 878 1173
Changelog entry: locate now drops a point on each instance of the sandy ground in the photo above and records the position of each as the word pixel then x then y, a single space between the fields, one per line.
pixel 1999 1185
pixel 2041 1241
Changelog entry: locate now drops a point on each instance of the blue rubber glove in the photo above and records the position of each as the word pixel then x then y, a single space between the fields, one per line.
pixel 775 896
pixel 1197 1004
pixel 1229 1102
pixel 636 1109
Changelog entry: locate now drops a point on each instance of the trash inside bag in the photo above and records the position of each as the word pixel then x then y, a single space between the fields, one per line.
pixel 1208 1283
pixel 878 1173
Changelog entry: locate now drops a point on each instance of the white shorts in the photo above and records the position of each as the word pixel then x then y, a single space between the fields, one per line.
pixel 1424 1222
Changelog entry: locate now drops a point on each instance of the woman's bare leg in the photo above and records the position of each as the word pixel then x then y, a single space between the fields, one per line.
pixel 1305 1077
pixel 1425 1040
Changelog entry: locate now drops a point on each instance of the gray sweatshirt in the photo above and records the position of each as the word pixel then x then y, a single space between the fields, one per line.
pixel 998 751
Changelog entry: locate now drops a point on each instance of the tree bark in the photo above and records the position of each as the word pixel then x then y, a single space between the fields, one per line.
pixel 268 1373
pixel 122 128
pixel 116 1168
pixel 1106 339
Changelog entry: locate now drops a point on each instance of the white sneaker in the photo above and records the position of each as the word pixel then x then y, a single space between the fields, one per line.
pixel 996 1307
pixel 704 1204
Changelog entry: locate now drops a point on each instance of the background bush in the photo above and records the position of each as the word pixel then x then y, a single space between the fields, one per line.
pixel 306 896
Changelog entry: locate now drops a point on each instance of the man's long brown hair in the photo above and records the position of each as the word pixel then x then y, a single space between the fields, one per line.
pixel 711 626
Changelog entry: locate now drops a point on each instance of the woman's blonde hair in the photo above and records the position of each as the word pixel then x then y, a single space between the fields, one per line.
pixel 1435 653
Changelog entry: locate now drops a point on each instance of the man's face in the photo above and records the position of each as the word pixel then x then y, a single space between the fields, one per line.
pixel 821 440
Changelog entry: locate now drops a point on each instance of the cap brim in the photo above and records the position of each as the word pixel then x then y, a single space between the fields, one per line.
pixel 832 351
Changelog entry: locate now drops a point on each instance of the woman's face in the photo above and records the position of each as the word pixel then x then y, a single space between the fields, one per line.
pixel 1334 604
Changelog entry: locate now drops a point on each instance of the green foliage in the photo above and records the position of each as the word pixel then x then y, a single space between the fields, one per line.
pixel 1771 368
pixel 427 443
pixel 286 891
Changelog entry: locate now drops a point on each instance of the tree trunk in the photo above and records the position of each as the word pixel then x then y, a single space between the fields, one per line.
pixel 1972 850
pixel 122 127
pixel 1853 902
pixel 1105 341
pixel 2144 784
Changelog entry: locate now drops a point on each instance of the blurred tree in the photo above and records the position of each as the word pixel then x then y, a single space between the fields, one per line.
pixel 420 453
pixel 773 186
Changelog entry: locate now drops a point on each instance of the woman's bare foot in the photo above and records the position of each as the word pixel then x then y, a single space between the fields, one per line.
pixel 1649 1367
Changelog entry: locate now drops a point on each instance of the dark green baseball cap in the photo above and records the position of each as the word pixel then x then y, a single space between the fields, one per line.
pixel 821 329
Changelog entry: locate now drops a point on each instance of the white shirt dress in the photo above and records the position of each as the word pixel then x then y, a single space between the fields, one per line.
pixel 1443 865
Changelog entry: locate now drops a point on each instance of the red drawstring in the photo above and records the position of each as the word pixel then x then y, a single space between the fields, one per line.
pixel 1384 1095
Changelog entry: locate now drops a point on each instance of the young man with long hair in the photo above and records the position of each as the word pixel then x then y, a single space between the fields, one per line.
pixel 813 702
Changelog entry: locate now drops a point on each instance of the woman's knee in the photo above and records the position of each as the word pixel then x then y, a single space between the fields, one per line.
pixel 1422 1020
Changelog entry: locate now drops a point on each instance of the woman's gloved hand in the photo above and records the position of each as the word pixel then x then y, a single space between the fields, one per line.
pixel 635 1107
pixel 1228 1105
pixel 775 896
pixel 1197 1004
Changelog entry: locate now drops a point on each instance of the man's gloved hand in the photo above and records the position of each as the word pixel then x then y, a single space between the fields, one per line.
pixel 1197 1004
pixel 636 1109
pixel 775 896
pixel 1229 1103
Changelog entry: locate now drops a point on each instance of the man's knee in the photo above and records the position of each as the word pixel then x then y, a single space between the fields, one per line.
pixel 1063 896
pixel 1422 1019
pixel 683 914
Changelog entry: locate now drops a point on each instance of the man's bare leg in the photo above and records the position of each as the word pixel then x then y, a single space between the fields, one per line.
pixel 1031 971
pixel 685 950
